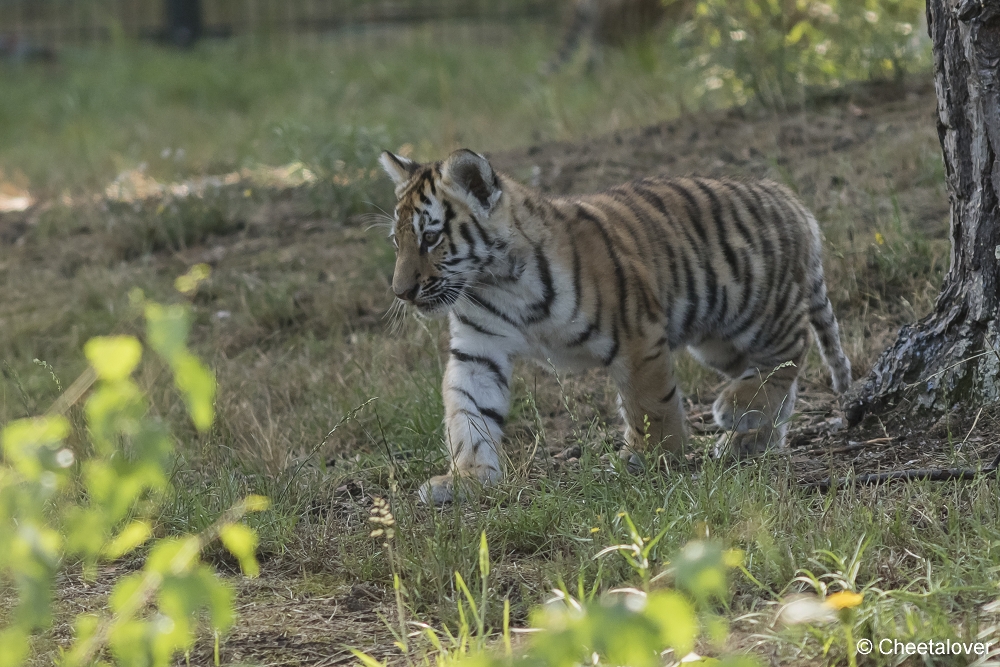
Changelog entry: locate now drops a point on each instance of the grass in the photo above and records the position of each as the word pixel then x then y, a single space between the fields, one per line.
pixel 98 112
pixel 292 319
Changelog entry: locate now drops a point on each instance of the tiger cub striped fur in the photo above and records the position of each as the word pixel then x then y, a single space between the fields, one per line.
pixel 732 270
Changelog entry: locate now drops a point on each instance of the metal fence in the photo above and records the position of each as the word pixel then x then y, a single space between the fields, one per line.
pixel 39 26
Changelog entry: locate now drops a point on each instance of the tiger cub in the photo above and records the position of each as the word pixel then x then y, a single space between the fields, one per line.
pixel 732 270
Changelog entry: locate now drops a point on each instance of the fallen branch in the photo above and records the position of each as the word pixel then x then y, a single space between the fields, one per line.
pixel 928 474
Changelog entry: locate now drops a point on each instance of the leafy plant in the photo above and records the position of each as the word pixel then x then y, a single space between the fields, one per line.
pixel 82 496
pixel 770 48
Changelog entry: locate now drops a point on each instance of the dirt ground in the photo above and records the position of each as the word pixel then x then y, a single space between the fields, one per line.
pixel 282 620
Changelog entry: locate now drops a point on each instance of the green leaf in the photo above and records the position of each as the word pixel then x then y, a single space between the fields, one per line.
pixel 242 543
pixel 701 572
pixel 113 357
pixel 86 530
pixel 116 408
pixel 189 282
pixel 366 659
pixel 14 645
pixel 167 329
pixel 174 555
pixel 197 384
pixel 128 539
pixel 129 641
pixel 219 597
pixel 484 556
pixel 739 661
pixel 125 590
pixel 676 619
pixel 84 629
pixel 29 444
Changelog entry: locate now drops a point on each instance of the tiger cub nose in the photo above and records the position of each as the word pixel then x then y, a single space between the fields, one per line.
pixel 407 294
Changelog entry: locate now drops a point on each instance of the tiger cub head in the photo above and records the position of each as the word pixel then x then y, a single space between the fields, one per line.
pixel 442 227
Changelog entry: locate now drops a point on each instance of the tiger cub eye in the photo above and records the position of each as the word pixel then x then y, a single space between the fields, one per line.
pixel 430 238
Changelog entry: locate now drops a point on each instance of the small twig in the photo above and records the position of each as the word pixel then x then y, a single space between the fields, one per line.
pixel 849 447
pixel 928 474
pixel 976 421
pixel 73 393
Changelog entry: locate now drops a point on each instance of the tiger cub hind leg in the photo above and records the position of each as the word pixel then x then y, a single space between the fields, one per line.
pixel 754 408
pixel 649 398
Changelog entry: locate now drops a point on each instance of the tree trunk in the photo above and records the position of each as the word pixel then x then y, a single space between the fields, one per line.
pixel 952 356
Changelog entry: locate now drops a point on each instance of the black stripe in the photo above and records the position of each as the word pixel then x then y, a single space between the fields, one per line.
pixel 487 239
pixel 820 307
pixel 746 278
pixel 463 229
pixel 626 199
pixel 782 354
pixel 619 269
pixel 658 237
pixel 691 311
pixel 583 337
pixel 481 302
pixel 493 366
pixel 449 215
pixel 648 304
pixel 693 209
pixel 577 283
pixel 736 194
pixel 695 216
pixel 614 345
pixel 720 227
pixel 541 310
pixel 591 327
pixel 486 412
pixel 669 395
pixel 654 200
pixel 475 326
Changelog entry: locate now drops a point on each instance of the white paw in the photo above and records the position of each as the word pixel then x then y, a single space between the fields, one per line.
pixel 438 490
pixel 634 462
pixel 743 444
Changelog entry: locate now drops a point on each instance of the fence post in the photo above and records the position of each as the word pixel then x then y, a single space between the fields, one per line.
pixel 184 22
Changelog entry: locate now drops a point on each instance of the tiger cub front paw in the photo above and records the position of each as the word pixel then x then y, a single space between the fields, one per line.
pixel 744 444
pixel 457 486
pixel 438 490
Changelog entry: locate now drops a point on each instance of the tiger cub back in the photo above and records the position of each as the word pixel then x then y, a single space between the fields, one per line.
pixel 731 270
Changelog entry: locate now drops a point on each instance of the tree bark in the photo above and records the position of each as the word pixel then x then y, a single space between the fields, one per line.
pixel 952 356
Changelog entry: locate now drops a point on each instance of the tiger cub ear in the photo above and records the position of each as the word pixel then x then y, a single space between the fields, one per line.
pixel 471 176
pixel 399 168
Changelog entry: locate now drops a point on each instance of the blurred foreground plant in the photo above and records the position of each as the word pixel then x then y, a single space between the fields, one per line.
pixel 653 627
pixel 80 496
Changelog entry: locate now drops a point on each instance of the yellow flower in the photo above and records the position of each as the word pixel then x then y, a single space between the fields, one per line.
pixel 844 600
pixel 594 530
pixel 879 239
